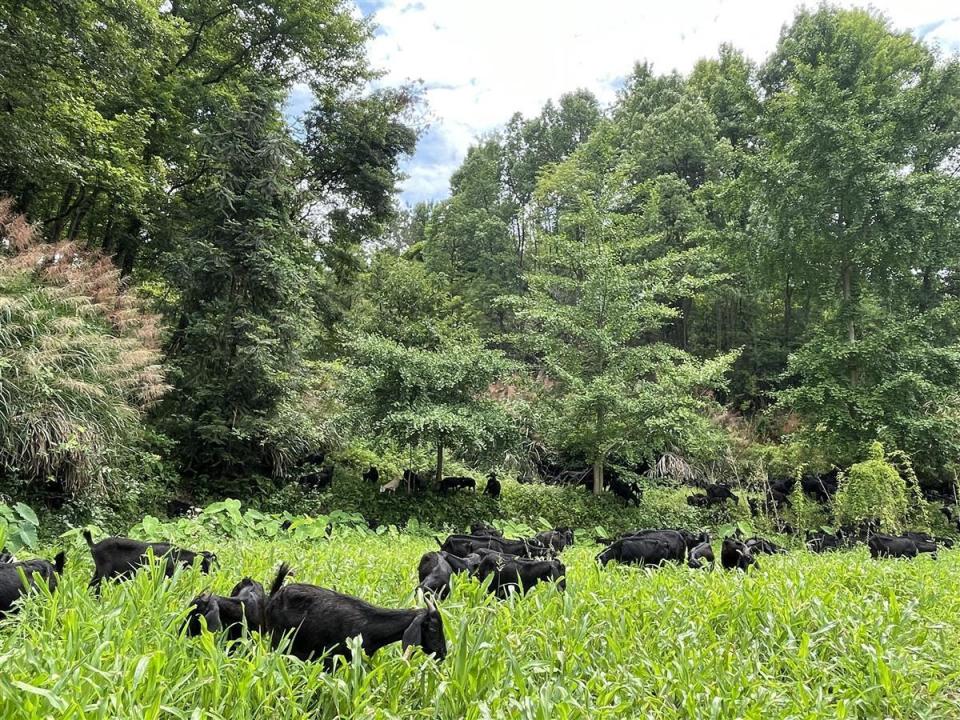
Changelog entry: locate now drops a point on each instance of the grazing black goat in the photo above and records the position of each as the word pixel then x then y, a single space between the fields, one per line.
pixel 12 575
pixel 436 569
pixel 513 573
pixel 493 486
pixel 702 553
pixel 762 546
pixel 318 479
pixel 320 621
pixel 484 530
pixel 926 538
pixel 455 482
pixel 556 539
pixel 120 557
pixel 244 607
pixel 820 542
pixel 463 545
pixel 718 492
pixel 372 475
pixel 889 546
pixel 701 501
pixel 735 555
pixel 642 550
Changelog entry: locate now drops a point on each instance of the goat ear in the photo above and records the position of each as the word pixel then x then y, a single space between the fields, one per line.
pixel 413 635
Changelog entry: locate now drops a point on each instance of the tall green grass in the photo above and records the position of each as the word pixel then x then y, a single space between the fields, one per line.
pixel 838 636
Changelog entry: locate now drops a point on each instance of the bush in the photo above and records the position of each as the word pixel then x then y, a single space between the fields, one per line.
pixel 79 363
pixel 534 505
pixel 872 489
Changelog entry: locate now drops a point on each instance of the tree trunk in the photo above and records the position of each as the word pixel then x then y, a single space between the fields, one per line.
pixel 66 204
pixel 439 477
pixel 848 301
pixel 848 307
pixel 598 476
pixel 787 314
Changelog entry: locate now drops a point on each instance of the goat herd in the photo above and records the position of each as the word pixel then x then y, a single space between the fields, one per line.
pixel 318 622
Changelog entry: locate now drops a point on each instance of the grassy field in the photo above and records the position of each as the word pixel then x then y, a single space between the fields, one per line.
pixel 805 636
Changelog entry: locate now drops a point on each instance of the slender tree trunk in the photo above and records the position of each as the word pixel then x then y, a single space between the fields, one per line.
pixel 787 314
pixel 848 307
pixel 61 217
pixel 439 476
pixel 848 301
pixel 598 476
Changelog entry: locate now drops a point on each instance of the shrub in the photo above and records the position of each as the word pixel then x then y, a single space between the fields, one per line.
pixel 872 489
pixel 79 363
pixel 534 505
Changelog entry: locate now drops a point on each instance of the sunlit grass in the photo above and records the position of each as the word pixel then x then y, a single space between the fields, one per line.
pixel 806 636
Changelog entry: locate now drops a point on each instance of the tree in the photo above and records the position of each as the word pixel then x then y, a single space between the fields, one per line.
pixel 243 272
pixel 590 319
pixel 420 372
pixel 852 173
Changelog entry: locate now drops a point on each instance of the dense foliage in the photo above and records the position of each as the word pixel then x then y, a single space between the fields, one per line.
pixel 746 271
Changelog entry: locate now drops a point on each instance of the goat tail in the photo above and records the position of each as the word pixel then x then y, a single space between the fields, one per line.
pixel 88 537
pixel 278 581
pixel 59 561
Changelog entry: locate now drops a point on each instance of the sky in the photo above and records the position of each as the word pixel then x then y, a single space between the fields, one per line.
pixel 480 61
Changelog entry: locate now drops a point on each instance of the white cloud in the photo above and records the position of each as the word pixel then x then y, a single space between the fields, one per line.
pixel 483 60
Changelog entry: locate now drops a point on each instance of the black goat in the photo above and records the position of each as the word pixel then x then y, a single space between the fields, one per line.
pixel 455 482
pixel 888 546
pixel 320 621
pixel 626 491
pixel 372 475
pixel 318 479
pixel 700 554
pixel 821 542
pixel 556 539
pixel 735 555
pixel 436 569
pixel 244 607
pixel 18 578
pixel 642 550
pixel 484 530
pixel 822 487
pixel 463 545
pixel 120 557
pixel 922 537
pixel 701 501
pixel 511 573
pixel 718 492
pixel 493 486
pixel 762 546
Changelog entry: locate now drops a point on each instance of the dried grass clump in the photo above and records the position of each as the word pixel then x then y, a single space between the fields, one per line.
pixel 79 360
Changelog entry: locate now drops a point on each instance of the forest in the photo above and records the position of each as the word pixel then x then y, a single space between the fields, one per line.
pixel 747 272
pixel 656 413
